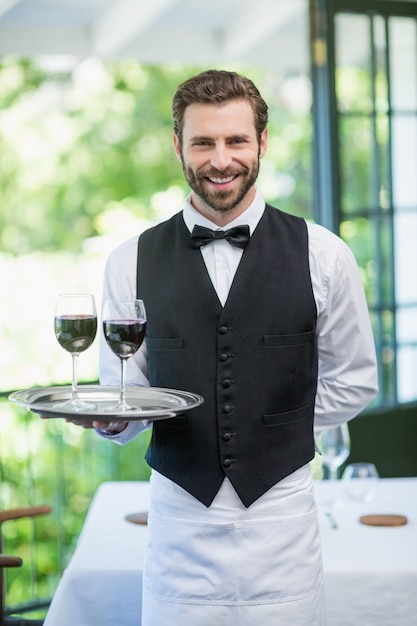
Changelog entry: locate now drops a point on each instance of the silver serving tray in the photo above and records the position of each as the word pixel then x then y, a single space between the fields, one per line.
pixel 151 403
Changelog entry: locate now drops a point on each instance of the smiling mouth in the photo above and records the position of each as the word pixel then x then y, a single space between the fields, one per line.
pixel 220 181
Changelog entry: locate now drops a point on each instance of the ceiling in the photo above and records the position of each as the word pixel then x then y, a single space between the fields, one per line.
pixel 190 32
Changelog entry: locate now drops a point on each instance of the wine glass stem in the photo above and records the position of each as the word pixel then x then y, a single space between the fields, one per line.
pixel 74 395
pixel 122 384
pixel 333 473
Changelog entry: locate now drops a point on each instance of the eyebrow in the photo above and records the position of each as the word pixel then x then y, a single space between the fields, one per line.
pixel 201 138
pixel 210 138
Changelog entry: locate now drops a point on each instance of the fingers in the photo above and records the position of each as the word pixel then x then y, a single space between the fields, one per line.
pixel 112 427
pixel 80 422
pixel 102 425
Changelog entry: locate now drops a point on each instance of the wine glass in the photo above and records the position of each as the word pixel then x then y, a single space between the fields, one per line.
pixel 124 327
pixel 334 444
pixel 360 481
pixel 75 329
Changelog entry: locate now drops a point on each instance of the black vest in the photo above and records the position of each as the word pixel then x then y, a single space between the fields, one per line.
pixel 254 360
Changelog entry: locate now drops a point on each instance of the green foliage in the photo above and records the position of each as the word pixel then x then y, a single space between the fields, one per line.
pixel 52 462
pixel 74 142
pixel 82 140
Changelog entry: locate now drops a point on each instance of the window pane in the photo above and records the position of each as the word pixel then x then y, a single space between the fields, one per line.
pixel 407 326
pixel 371 242
pixel 383 326
pixel 403 62
pixel 384 269
pixel 405 237
pixel 406 373
pixel 381 81
pixel 358 234
pixel 365 173
pixel 356 144
pixel 384 182
pixel 353 76
pixel 404 160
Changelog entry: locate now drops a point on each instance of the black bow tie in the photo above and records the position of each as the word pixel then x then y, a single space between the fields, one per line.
pixel 237 236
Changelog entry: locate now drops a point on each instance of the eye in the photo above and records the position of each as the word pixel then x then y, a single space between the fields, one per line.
pixel 201 142
pixel 237 140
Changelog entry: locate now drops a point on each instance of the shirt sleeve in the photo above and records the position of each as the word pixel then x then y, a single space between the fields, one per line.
pixel 347 377
pixel 120 283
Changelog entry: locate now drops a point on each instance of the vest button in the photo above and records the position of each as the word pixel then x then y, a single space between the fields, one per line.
pixel 223 357
pixel 226 383
pixel 223 330
pixel 226 436
pixel 227 463
pixel 227 408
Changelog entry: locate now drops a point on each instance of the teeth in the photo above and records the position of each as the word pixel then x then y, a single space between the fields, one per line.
pixel 221 180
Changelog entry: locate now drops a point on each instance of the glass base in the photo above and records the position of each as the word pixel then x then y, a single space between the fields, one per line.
pixel 121 407
pixel 78 406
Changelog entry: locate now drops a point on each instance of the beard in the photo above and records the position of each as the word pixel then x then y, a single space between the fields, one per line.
pixel 221 201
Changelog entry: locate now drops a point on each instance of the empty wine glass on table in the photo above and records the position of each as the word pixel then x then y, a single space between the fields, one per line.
pixel 334 444
pixel 124 327
pixel 75 329
pixel 360 481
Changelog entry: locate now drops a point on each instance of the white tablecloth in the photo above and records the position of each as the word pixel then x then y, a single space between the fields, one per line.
pixel 370 572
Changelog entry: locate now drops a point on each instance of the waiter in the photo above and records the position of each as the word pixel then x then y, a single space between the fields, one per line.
pixel 264 315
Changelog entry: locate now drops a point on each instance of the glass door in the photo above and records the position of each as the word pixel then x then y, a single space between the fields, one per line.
pixel 371 66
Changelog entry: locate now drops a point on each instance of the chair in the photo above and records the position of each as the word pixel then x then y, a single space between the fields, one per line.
pixel 15 561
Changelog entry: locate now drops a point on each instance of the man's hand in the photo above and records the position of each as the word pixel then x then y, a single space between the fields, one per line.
pixel 109 428
pixel 81 422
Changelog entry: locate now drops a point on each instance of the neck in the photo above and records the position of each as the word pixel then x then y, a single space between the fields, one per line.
pixel 222 218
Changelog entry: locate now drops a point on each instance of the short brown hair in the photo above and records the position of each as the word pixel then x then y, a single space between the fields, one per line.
pixel 218 87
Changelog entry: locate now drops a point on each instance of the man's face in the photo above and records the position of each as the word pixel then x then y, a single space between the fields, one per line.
pixel 220 157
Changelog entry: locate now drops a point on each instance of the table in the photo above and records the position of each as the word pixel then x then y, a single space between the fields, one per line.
pixel 102 584
pixel 370 572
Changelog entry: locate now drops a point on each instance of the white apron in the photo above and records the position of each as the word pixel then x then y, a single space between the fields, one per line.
pixel 233 566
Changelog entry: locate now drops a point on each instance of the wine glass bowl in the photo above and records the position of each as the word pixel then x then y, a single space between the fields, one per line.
pixel 334 444
pixel 124 328
pixel 75 333
pixel 75 326
pixel 360 481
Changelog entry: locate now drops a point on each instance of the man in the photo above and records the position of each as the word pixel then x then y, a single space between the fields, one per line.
pixel 271 327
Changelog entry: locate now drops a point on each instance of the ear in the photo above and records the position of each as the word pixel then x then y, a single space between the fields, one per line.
pixel 263 143
pixel 177 146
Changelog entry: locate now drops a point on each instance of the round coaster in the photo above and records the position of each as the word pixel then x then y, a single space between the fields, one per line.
pixel 383 520
pixel 137 518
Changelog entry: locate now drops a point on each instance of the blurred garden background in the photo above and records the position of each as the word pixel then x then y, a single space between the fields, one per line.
pixel 86 162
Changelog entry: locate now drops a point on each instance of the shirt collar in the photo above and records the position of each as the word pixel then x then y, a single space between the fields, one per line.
pixel 251 216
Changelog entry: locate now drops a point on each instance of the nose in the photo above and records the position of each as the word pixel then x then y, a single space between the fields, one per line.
pixel 221 157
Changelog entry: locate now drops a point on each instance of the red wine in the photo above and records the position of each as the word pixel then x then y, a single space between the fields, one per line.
pixel 75 333
pixel 124 336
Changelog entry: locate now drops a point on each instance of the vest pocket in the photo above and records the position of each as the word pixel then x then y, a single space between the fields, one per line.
pixel 293 339
pixel 287 417
pixel 166 362
pixel 166 343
